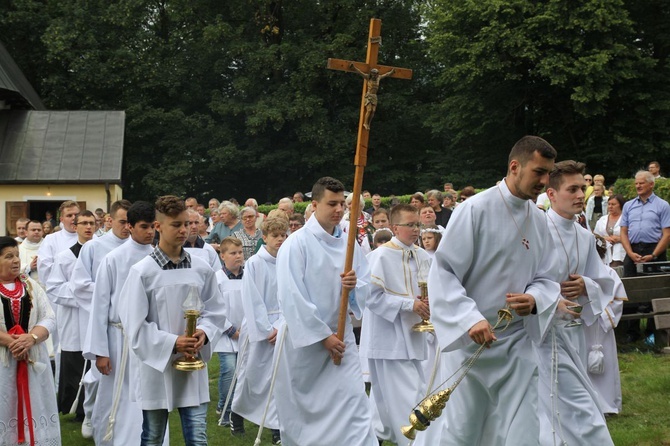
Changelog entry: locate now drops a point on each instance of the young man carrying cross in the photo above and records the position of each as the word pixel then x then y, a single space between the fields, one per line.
pixel 317 401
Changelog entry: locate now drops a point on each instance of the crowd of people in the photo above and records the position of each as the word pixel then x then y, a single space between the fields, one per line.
pixel 103 297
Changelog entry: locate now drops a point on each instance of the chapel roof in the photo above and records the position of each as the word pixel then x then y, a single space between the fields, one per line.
pixel 15 90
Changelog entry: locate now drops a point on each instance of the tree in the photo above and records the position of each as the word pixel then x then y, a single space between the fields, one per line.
pixel 571 72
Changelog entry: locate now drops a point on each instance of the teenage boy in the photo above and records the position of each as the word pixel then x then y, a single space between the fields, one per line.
pixel 229 277
pixel 394 351
pixel 317 401
pixel 104 345
pixel 262 319
pixel 565 388
pixel 380 219
pixel 152 315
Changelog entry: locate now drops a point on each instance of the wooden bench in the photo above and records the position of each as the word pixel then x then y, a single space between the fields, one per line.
pixel 662 318
pixel 643 290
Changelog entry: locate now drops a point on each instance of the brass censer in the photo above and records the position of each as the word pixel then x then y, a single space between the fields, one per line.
pixel 192 307
pixel 431 407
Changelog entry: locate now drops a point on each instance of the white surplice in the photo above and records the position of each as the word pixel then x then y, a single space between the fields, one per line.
pixel 60 294
pixel 52 245
pixel 480 259
pixel 395 352
pixel 105 338
pixel 317 401
pixel 152 316
pixel 608 384
pixel 27 252
pixel 568 402
pixel 40 381
pixel 262 316
pixel 208 254
pixel 231 292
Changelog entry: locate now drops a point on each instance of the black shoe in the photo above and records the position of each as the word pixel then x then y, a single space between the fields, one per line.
pixel 276 438
pixel 237 432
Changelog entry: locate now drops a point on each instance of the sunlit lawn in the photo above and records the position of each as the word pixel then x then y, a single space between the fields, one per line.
pixel 644 421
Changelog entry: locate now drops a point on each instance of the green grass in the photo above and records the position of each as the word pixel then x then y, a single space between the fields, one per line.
pixel 644 421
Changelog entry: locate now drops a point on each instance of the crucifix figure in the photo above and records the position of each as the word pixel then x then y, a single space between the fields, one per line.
pixel 372 73
pixel 371 95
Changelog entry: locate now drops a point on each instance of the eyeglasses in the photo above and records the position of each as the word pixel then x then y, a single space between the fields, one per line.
pixel 249 217
pixel 295 225
pixel 588 179
pixel 410 225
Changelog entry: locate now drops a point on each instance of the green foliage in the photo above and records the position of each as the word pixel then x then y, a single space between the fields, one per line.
pixel 626 187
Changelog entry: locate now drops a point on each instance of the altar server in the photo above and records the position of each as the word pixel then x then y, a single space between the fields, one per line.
pixel 319 402
pixel 495 252
pixel 262 320
pixel 104 345
pixel 395 352
pixel 569 411
pixel 152 314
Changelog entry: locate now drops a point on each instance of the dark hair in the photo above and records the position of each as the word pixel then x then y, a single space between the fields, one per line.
pixel 619 198
pixel 297 217
pixel 323 184
pixel 402 207
pixel 524 149
pixel 381 211
pixel 468 191
pixel 418 196
pixel 8 242
pixel 37 222
pixel 438 235
pixel 141 211
pixel 84 213
pixel 568 167
pixel 382 237
pixel 121 204
pixel 170 205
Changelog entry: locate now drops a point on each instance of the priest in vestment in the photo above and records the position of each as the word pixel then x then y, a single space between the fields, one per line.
pixel 319 403
pixel 496 252
pixel 569 406
pixel 104 343
pixel 394 352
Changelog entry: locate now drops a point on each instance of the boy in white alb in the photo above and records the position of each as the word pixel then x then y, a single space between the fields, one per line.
pixel 394 351
pixel 152 315
pixel 318 402
pixel 568 402
pixel 115 419
pixel 262 319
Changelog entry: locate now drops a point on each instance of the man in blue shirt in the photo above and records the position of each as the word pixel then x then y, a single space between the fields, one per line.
pixel 645 233
pixel 645 225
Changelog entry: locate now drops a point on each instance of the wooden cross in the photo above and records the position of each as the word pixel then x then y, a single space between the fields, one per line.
pixel 368 105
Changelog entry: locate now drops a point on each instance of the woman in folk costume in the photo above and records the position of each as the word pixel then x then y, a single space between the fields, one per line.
pixel 26 383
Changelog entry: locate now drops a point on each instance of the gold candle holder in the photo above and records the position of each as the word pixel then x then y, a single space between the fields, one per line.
pixel 192 306
pixel 425 326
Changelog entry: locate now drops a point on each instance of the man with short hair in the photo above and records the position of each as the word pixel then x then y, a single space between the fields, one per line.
pixel 21 228
pixel 645 225
pixel 116 420
pixel 434 199
pixel 564 383
pixel 376 204
pixel 196 246
pixel 82 284
pixel 152 314
pixel 448 187
pixel 317 401
pixel 298 197
pixel 494 254
pixel 191 203
pixel 655 169
pixel 59 292
pixel 29 247
pixel 393 351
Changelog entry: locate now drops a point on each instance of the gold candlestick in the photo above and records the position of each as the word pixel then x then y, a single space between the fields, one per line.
pixel 192 306
pixel 425 325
